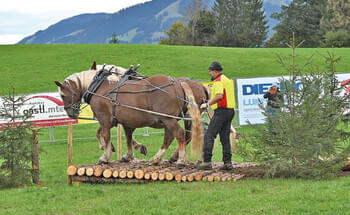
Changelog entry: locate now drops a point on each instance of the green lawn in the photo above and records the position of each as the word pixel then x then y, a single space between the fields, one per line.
pixel 33 68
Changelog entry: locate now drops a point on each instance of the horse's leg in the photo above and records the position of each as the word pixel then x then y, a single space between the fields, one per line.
pixel 188 127
pixel 129 156
pixel 106 157
pixel 179 134
pixel 168 138
pixel 100 139
pixel 139 147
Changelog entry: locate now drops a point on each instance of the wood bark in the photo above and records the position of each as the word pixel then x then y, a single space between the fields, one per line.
pixel 35 159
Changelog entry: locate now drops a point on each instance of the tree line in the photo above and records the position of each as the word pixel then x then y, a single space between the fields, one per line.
pixel 243 23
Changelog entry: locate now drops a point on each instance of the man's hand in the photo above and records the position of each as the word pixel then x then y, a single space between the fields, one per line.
pixel 204 105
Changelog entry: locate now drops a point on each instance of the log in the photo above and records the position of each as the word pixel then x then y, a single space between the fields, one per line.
pixel 98 171
pixel 154 176
pixel 72 170
pixel 115 173
pixel 107 173
pixel 122 174
pixel 81 171
pixel 130 174
pixel 205 175
pixel 139 174
pixel 94 179
pixel 226 177
pixel 147 176
pixel 181 175
pixel 169 176
pixel 89 171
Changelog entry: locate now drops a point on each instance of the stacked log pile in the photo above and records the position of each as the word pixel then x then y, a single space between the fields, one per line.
pixel 139 171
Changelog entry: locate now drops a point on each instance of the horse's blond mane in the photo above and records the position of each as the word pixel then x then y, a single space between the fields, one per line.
pixel 86 77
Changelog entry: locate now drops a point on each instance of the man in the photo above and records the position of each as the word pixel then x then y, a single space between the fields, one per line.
pixel 222 102
pixel 274 98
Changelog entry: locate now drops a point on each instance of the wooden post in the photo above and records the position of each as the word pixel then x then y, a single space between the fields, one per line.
pixel 70 149
pixel 35 159
pixel 119 142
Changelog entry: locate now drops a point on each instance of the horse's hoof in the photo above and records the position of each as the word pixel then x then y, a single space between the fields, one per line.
pixel 180 166
pixel 172 160
pixel 124 160
pixel 102 162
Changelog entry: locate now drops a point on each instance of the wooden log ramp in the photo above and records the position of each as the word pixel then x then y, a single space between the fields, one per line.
pixel 139 171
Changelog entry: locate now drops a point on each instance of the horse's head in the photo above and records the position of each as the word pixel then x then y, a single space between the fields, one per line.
pixel 71 98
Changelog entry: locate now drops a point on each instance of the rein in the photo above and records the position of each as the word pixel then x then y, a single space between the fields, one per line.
pixel 131 73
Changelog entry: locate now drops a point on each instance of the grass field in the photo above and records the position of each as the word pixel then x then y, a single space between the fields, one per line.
pixel 33 68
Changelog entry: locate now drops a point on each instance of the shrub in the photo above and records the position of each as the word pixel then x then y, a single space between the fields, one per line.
pixel 339 38
pixel 15 143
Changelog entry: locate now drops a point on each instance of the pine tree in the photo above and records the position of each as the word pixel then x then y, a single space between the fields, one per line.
pixel 240 23
pixel 114 39
pixel 301 17
pixel 303 139
pixel 15 142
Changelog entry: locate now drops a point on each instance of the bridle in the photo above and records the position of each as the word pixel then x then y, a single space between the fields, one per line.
pixel 74 106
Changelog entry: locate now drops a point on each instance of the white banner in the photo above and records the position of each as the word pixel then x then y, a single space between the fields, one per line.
pixel 251 90
pixel 47 109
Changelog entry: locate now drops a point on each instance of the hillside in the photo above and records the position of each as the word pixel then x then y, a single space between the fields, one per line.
pixel 33 68
pixel 142 23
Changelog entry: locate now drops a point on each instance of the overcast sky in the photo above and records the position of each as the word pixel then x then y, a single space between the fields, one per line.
pixel 21 18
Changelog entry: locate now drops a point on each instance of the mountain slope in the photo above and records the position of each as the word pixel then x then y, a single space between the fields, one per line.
pixel 142 23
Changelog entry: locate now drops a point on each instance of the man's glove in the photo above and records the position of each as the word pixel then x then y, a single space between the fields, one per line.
pixel 204 105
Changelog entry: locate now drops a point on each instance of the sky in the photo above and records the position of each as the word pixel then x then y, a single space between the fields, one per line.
pixel 22 18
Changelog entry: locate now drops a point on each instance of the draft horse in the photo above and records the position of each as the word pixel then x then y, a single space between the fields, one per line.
pixel 157 101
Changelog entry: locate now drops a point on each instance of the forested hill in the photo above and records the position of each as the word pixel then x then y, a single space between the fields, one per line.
pixel 142 23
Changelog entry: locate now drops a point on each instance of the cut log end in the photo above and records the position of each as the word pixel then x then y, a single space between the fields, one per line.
pixel 81 171
pixel 72 170
pixel 107 173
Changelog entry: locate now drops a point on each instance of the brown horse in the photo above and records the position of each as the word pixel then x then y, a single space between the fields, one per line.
pixel 157 101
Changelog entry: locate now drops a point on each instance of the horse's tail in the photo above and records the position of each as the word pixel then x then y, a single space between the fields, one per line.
pixel 197 126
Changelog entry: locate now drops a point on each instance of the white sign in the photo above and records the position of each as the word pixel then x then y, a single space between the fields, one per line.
pixel 251 90
pixel 47 109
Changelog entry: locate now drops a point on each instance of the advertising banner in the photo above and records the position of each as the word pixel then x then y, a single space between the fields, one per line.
pixel 250 92
pixel 47 109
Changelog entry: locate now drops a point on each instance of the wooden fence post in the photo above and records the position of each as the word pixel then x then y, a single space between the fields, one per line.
pixel 70 149
pixel 119 141
pixel 35 159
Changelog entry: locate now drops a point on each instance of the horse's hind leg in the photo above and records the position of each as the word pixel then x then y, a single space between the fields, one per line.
pixel 168 138
pixel 188 133
pixel 179 134
pixel 129 156
pixel 139 147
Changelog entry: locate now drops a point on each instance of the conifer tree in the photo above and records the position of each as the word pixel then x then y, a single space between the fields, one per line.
pixel 240 23
pixel 301 17
pixel 15 142
pixel 306 138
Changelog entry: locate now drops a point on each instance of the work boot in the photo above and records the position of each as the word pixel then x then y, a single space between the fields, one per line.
pixel 227 166
pixel 204 166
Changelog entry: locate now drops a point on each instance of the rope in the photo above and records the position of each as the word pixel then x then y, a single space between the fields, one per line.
pixel 152 112
pixel 144 110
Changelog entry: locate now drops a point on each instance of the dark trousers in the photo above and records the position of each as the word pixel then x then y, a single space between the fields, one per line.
pixel 220 123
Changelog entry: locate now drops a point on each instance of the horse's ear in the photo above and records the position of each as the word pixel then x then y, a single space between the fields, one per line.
pixel 93 67
pixel 58 83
